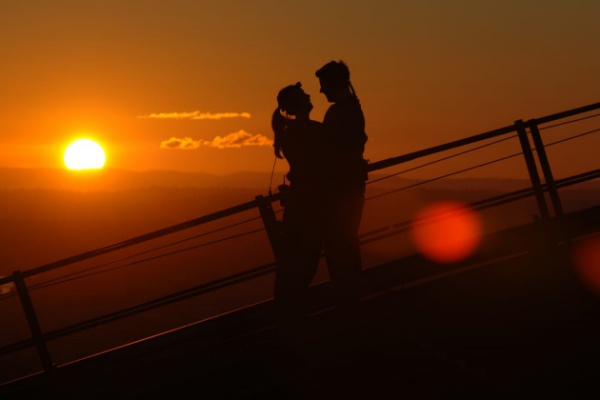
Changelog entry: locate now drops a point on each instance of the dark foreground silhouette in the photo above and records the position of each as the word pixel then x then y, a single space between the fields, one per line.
pixel 519 327
pixel 324 204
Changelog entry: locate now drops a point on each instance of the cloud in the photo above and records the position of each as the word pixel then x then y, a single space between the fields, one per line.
pixel 234 140
pixel 185 143
pixel 196 115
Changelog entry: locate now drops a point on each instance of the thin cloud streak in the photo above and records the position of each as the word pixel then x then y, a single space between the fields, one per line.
pixel 234 140
pixel 194 115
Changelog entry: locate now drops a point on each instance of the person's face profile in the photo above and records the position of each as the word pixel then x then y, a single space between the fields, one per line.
pixel 304 97
pixel 326 88
pixel 299 103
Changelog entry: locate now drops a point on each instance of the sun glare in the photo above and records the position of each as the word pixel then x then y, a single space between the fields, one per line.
pixel 84 154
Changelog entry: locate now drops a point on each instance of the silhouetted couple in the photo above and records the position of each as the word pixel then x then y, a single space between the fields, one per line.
pixel 323 209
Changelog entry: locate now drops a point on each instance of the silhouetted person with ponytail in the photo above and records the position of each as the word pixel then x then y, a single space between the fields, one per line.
pixel 299 140
pixel 344 140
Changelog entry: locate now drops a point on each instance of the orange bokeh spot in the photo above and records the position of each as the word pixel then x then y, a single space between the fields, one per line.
pixel 586 257
pixel 446 232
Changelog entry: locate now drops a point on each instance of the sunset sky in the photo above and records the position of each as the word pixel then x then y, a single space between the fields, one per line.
pixel 189 85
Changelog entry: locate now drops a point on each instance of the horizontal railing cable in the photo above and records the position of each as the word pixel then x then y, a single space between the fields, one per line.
pixel 403 226
pixel 147 306
pixel 475 138
pixel 568 122
pixel 80 276
pixel 142 238
pixel 43 284
pixel 487 145
pixel 440 160
pixel 436 149
pixel 437 178
pixel 572 137
pixel 469 168
pixel 566 114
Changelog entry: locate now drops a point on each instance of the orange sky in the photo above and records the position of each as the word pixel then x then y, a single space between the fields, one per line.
pixel 135 74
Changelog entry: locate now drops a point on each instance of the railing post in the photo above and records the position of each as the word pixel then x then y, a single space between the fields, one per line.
pixel 545 165
pixel 532 169
pixel 32 320
pixel 272 225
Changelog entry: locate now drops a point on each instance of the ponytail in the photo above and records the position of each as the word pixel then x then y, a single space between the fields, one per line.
pixel 279 125
pixel 352 91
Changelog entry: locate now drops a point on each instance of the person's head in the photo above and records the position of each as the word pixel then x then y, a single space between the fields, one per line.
pixel 294 102
pixel 334 78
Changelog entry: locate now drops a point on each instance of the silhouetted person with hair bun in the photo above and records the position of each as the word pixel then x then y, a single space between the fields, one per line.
pixel 344 140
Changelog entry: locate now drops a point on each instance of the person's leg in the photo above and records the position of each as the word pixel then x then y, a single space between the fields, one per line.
pixel 342 248
pixel 299 263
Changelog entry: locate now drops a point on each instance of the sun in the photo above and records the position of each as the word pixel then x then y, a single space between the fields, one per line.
pixel 84 154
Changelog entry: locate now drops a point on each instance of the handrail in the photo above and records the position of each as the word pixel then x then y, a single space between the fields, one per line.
pixel 268 268
pixel 476 138
pixel 436 149
pixel 486 203
pixel 276 196
pixel 259 202
pixel 136 240
pixel 568 113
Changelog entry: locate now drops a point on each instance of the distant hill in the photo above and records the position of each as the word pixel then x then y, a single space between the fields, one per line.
pixel 117 180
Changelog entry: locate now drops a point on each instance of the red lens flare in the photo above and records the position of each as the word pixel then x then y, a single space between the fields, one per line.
pixel 586 257
pixel 446 232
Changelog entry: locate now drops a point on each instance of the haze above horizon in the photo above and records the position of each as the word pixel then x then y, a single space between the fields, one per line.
pixel 190 86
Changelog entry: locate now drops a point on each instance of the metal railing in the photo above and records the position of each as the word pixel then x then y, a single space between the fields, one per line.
pixel 544 188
